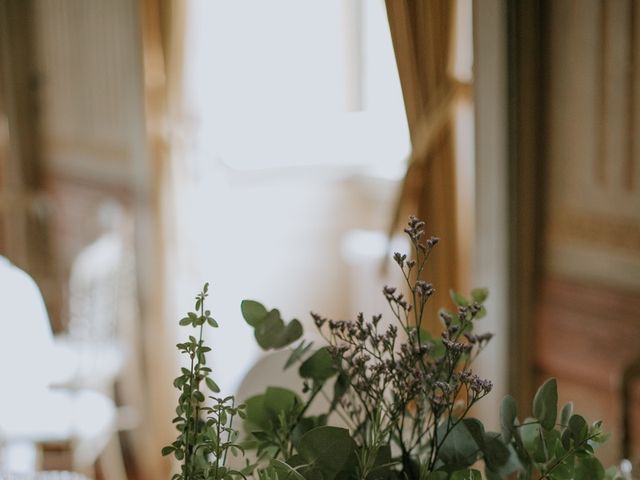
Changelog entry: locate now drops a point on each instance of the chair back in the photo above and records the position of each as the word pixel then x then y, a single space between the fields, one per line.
pixel 26 338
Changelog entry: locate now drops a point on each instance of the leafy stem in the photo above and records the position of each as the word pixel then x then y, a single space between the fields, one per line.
pixel 559 461
pixel 201 445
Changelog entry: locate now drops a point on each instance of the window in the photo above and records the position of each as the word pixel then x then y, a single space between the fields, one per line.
pixel 289 84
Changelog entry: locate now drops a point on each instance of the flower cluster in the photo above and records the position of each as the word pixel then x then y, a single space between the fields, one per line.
pixel 402 377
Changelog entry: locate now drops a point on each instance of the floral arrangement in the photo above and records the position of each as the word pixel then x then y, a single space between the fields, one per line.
pixel 398 400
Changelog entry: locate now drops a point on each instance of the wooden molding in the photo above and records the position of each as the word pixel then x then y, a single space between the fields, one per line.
pixel 587 337
pixel 587 333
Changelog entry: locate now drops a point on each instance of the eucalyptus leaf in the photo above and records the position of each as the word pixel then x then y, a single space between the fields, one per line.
pixel 565 467
pixel 578 428
pixel 319 366
pixel 382 464
pixel 268 330
pixel 279 400
pixel 253 312
pixel 297 354
pixel 529 432
pixel 545 404
pixel 331 449
pixel 340 388
pixel 287 472
pixel 508 413
pixel 496 453
pixel 476 429
pixel 495 459
pixel 272 333
pixel 459 449
pixel 565 414
pixel 258 417
pixel 588 468
pixel 292 332
pixel 306 424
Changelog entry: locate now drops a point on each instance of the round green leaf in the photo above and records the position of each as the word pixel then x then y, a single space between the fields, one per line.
pixel 289 334
pixel 545 404
pixel 328 448
pixel 529 432
pixel 496 453
pixel 279 400
pixel 271 331
pixel 508 414
pixel 253 312
pixel 286 471
pixel 565 414
pixel 476 429
pixel 268 330
pixel 297 353
pixel 588 468
pixel 318 366
pixel 578 428
pixel 459 450
pixel 257 415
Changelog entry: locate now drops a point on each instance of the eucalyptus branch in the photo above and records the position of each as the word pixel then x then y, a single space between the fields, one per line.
pixel 400 388
pixel 559 461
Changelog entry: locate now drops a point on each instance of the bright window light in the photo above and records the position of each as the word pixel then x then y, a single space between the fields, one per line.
pixel 286 83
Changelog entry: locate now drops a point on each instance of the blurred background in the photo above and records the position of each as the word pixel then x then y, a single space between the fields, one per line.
pixel 272 149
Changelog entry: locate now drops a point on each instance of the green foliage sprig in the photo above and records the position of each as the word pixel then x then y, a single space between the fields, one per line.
pixel 548 445
pixel 404 394
pixel 205 429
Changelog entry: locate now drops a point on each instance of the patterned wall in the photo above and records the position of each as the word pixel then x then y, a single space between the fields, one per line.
pixel 588 312
pixel 594 141
pixel 87 60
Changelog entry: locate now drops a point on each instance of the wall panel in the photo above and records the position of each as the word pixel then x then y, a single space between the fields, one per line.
pixel 588 315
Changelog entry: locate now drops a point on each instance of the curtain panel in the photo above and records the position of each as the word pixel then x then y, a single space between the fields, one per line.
pixel 422 32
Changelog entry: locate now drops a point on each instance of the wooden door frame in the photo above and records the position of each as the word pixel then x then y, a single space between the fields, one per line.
pixel 528 81
pixel 23 202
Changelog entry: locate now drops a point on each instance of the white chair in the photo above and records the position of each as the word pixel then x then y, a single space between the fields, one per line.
pixel 101 318
pixel 31 411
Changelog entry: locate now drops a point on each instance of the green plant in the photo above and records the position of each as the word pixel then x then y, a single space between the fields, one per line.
pixel 548 445
pixel 404 394
pixel 205 429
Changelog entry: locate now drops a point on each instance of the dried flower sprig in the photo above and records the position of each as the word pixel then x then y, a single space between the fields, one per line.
pixel 417 388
